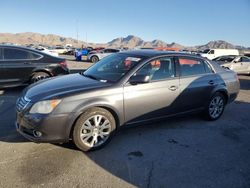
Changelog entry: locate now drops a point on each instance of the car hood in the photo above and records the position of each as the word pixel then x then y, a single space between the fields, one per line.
pixel 58 87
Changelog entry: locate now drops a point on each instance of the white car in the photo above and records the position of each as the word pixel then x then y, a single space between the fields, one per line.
pixel 94 56
pixel 213 53
pixel 59 50
pixel 239 64
pixel 47 51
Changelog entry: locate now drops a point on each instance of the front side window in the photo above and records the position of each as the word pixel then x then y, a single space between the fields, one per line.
pixel 158 69
pixel 244 59
pixel 211 52
pixel 113 67
pixel 190 66
pixel 16 54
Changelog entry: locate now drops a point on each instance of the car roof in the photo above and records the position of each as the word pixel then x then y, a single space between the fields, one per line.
pixel 28 49
pixel 155 53
pixel 18 47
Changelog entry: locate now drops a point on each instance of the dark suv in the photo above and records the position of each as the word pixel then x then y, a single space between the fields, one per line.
pixel 20 65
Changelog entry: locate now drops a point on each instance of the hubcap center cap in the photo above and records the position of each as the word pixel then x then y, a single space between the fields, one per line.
pixel 95 130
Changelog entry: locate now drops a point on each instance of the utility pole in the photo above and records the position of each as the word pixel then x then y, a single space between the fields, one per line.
pixel 77 31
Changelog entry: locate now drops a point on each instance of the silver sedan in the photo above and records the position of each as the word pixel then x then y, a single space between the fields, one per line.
pixel 239 64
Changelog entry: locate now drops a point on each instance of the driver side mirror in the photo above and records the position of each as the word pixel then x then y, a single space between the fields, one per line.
pixel 139 79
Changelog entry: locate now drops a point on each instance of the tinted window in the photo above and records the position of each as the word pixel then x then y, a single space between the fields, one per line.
pixel 159 69
pixel 244 59
pixel 12 54
pixel 113 67
pixel 1 54
pixel 208 69
pixel 110 51
pixel 225 59
pixel 211 52
pixel 190 67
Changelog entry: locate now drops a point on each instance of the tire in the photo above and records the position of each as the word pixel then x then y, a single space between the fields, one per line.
pixel 215 107
pixel 94 59
pixel 39 76
pixel 87 133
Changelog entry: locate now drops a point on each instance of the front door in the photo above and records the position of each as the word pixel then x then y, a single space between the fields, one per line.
pixel 154 99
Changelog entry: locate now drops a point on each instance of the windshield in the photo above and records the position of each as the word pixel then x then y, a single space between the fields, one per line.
pixel 113 67
pixel 206 51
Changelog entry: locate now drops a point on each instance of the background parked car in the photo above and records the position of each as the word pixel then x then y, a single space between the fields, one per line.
pixel 239 64
pixel 59 50
pixel 95 56
pixel 20 65
pixel 47 51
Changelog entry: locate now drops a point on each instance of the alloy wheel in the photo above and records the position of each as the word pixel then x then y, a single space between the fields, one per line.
pixel 95 131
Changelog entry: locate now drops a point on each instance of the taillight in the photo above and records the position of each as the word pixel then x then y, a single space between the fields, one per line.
pixel 64 64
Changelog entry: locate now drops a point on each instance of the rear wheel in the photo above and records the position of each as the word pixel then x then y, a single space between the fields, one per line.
pixel 39 76
pixel 94 59
pixel 94 129
pixel 215 107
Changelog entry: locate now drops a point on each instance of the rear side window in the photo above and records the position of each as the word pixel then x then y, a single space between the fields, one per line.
pixel 16 54
pixel 190 66
pixel 1 53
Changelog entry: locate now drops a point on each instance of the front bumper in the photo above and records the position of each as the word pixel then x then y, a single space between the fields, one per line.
pixel 53 128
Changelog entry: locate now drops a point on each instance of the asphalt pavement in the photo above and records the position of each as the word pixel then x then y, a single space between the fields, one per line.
pixel 178 152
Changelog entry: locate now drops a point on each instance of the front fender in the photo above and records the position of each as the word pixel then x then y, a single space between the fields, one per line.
pixel 115 109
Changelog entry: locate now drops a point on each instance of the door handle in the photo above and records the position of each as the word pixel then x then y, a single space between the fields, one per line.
pixel 211 82
pixel 172 88
pixel 27 63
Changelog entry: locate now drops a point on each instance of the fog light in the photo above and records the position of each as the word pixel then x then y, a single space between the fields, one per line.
pixel 37 134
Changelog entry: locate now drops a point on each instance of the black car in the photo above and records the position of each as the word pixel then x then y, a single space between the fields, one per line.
pixel 20 65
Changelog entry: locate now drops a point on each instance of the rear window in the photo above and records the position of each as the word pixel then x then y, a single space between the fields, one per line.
pixel 189 67
pixel 16 54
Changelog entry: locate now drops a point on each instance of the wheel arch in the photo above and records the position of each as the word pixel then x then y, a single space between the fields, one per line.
pixel 223 91
pixel 41 70
pixel 83 110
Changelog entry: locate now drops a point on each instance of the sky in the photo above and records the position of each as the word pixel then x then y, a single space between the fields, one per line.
pixel 188 22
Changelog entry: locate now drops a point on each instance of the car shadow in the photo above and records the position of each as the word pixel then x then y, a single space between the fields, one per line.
pixel 153 154
pixel 159 153
pixel 8 99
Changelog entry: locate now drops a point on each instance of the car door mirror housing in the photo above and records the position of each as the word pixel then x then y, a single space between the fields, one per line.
pixel 139 79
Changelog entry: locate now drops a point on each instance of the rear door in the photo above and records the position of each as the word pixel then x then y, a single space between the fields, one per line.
pixel 2 78
pixel 18 64
pixel 197 81
pixel 154 99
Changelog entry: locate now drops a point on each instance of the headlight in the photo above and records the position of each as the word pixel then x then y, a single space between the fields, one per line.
pixel 44 107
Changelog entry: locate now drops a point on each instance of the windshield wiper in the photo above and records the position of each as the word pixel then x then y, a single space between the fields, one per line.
pixel 90 76
pixel 96 78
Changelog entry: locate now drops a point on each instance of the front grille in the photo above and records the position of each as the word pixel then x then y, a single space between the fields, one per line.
pixel 22 103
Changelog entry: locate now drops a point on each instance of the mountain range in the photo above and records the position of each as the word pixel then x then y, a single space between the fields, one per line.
pixel 130 41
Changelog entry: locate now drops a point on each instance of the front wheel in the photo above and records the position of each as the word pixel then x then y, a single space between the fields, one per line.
pixel 94 59
pixel 215 107
pixel 94 129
